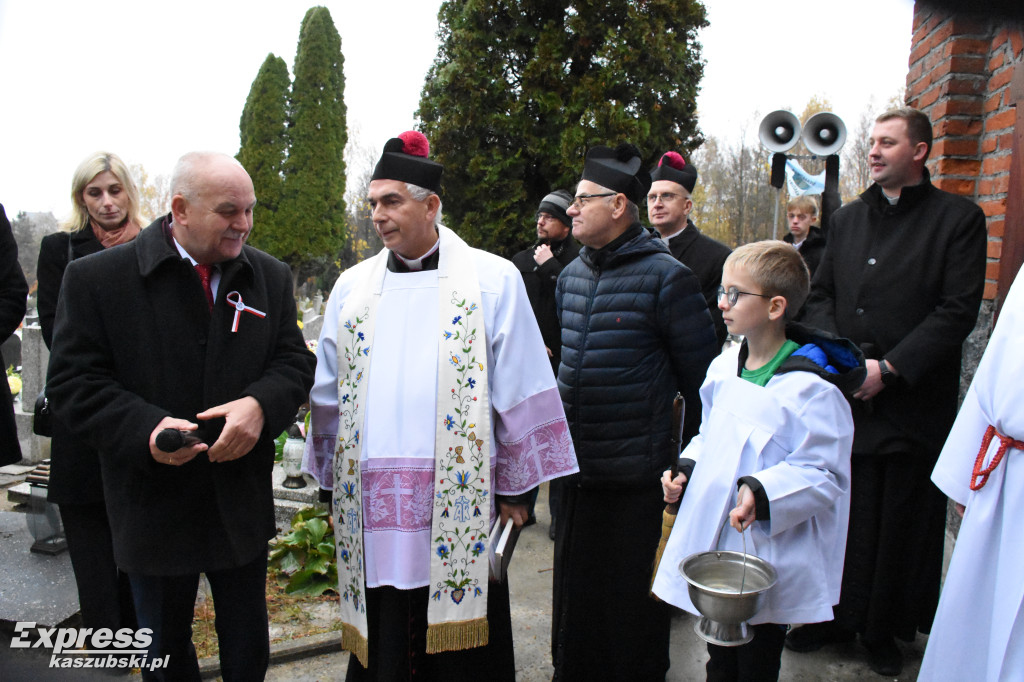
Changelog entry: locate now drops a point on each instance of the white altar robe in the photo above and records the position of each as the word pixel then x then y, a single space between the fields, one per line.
pixel 529 435
pixel 978 633
pixel 794 435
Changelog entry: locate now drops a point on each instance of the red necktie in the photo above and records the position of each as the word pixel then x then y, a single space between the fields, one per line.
pixel 205 271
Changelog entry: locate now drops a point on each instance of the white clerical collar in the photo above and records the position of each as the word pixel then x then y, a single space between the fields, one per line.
pixel 416 264
pixel 672 236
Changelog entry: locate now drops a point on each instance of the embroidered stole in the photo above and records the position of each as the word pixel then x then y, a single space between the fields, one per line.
pixel 460 525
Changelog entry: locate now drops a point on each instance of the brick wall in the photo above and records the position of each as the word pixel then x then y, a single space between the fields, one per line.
pixel 960 75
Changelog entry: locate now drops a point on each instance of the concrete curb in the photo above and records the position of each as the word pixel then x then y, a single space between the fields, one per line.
pixel 292 650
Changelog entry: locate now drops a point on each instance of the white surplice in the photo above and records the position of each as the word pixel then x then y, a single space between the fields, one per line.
pixel 794 435
pixel 978 632
pixel 530 436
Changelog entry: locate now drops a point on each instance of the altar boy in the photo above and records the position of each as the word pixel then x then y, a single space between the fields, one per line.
pixel 778 434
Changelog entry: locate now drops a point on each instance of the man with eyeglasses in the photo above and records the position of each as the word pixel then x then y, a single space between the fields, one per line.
pixel 540 265
pixel 668 209
pixel 635 330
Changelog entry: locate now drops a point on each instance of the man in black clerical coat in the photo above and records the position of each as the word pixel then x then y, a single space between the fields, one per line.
pixel 668 210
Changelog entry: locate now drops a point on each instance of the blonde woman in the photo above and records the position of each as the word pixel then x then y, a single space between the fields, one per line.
pixel 105 213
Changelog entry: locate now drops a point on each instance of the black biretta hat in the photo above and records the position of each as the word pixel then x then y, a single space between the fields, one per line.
pixel 672 167
pixel 405 159
pixel 620 170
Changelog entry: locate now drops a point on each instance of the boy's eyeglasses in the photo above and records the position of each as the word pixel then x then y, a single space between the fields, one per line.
pixel 732 294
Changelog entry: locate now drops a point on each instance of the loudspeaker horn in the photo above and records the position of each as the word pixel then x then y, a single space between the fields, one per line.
pixel 824 134
pixel 779 131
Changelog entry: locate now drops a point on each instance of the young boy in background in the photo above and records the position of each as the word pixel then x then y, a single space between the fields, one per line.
pixel 775 436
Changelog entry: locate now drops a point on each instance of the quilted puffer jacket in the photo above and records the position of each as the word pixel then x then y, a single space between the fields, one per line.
pixel 635 330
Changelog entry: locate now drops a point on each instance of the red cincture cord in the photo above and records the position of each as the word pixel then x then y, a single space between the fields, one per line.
pixel 979 477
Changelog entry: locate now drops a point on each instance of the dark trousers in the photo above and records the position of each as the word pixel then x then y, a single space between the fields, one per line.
pixel 397 621
pixel 104 593
pixel 165 604
pixel 759 660
pixel 894 547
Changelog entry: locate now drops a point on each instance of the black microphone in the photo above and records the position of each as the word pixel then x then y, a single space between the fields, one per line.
pixel 172 440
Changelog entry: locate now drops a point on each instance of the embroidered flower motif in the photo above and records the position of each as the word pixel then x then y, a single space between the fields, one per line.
pixel 442 551
pixel 359 377
pixel 348 325
pixel 344 399
pixel 366 351
pixel 457 318
pixel 444 514
pixel 471 308
pixel 349 489
pixel 476 511
pixel 436 596
pixel 359 335
pixel 356 436
pixel 477 592
pixel 462 479
pixel 455 360
pixel 478 548
pixel 472 382
pixel 449 422
pixel 447 335
pixel 345 555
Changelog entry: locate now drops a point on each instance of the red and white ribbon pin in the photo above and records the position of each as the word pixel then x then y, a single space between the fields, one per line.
pixel 241 308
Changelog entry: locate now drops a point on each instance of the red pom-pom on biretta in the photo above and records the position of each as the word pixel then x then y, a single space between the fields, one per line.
pixel 415 143
pixel 672 159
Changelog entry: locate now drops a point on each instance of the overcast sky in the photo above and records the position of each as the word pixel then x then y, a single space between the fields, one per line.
pixel 152 80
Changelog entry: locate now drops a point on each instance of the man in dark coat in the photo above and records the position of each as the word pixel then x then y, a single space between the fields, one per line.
pixel 540 265
pixel 186 325
pixel 801 214
pixel 13 293
pixel 668 208
pixel 635 331
pixel 902 276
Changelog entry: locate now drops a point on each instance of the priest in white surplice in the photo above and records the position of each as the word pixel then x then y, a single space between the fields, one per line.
pixel 978 632
pixel 434 413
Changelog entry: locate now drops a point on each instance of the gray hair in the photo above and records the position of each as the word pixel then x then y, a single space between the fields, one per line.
pixel 633 211
pixel 421 194
pixel 184 176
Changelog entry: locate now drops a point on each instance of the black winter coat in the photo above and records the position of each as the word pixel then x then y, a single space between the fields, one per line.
pixel 134 342
pixel 705 257
pixel 904 283
pixel 13 293
pixel 812 248
pixel 74 466
pixel 540 281
pixel 635 330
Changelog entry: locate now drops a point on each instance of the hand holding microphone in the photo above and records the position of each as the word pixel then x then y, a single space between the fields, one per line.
pixel 172 440
pixel 175 442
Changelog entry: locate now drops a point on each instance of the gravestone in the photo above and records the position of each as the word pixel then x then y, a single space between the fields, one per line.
pixel 34 358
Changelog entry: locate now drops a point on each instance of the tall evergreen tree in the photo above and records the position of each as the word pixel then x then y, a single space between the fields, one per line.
pixel 311 217
pixel 521 88
pixel 264 148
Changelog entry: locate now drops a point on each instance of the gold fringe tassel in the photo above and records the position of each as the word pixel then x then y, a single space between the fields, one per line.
pixel 352 640
pixel 456 636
